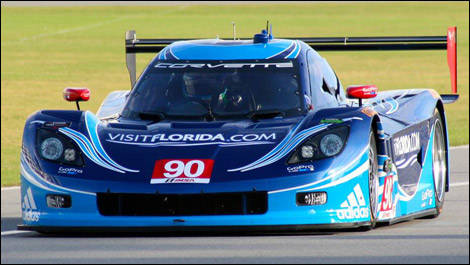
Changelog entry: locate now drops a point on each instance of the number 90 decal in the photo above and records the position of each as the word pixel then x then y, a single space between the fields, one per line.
pixel 182 171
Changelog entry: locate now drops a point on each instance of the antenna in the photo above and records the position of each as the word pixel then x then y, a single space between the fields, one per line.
pixel 234 32
pixel 270 31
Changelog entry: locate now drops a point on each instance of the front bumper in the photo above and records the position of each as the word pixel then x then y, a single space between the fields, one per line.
pixel 282 209
pixel 282 213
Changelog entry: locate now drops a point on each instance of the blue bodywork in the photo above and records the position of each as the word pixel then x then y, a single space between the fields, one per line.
pixel 119 154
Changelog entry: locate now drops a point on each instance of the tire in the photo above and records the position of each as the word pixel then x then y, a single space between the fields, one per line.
pixel 439 162
pixel 373 181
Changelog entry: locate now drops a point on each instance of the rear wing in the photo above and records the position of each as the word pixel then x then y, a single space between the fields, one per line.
pixel 449 43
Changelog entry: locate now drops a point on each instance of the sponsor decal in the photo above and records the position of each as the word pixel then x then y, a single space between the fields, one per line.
pixel 188 138
pixel 224 65
pixel 302 168
pixel 387 200
pixel 353 206
pixel 335 121
pixel 393 103
pixel 69 170
pixel 331 121
pixel 182 171
pixel 29 208
pixel 426 197
pixel 406 144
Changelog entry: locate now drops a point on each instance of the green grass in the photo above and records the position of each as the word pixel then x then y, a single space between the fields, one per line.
pixel 46 49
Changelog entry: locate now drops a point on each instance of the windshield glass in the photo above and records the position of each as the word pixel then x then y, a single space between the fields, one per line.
pixel 216 90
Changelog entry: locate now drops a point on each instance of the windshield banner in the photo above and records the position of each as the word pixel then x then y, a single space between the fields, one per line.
pixel 224 65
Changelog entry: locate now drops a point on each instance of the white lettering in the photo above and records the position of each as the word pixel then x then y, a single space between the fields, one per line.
pixel 266 137
pixel 406 144
pixel 175 137
pixel 203 137
pixel 250 137
pixel 155 137
pixel 145 136
pixel 129 138
pixel 226 65
pixel 218 136
pixel 188 137
pixel 113 137
pixel 351 213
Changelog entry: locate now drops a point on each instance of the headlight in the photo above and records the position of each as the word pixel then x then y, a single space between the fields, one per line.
pixel 69 154
pixel 51 148
pixel 322 145
pixel 331 144
pixel 56 147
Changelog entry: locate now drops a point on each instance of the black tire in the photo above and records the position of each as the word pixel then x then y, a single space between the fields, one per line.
pixel 439 162
pixel 373 181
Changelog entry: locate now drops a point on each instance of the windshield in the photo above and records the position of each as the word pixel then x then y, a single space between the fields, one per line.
pixel 215 90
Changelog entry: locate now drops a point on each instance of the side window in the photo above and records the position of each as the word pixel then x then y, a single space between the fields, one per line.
pixel 322 84
pixel 329 77
pixel 315 73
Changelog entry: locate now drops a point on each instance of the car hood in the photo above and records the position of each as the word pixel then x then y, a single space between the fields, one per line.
pixel 240 150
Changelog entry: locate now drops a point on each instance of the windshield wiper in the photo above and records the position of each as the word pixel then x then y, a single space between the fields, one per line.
pixel 152 116
pixel 265 114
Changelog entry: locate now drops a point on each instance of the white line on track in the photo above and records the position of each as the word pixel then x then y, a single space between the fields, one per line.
pixel 14 232
pixel 64 31
pixel 458 184
pixel 11 188
pixel 38 36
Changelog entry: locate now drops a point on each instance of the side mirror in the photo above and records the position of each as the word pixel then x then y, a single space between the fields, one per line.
pixel 76 94
pixel 362 91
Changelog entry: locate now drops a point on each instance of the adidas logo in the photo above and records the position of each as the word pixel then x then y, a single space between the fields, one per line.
pixel 29 207
pixel 354 205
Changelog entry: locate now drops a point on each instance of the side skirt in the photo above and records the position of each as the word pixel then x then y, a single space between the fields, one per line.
pixel 410 217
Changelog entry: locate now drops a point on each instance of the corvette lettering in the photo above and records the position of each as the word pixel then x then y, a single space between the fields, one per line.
pixel 223 65
pixel 406 144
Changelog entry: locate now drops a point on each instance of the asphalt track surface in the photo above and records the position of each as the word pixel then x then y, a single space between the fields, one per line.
pixel 440 240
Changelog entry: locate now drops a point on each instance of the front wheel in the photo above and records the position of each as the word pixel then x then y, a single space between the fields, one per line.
pixel 373 181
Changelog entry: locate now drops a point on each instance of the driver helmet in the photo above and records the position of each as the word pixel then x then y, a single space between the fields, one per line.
pixel 235 92
pixel 198 85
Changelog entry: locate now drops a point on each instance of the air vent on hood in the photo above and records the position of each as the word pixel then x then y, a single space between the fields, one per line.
pixel 132 126
pixel 196 125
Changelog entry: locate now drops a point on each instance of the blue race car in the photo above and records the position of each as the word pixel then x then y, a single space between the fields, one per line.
pixel 237 135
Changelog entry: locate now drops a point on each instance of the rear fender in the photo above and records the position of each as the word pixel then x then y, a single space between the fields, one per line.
pixel 407 106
